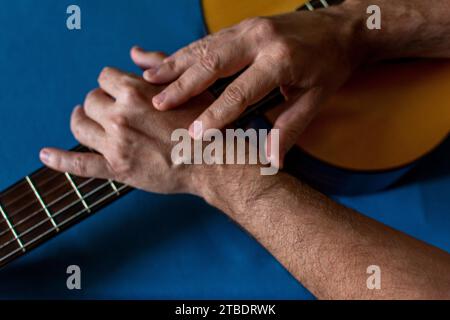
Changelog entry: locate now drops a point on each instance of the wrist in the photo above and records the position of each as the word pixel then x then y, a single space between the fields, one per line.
pixel 218 182
pixel 403 25
pixel 231 188
pixel 347 24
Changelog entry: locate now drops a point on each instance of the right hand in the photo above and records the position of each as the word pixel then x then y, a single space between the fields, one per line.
pixel 309 55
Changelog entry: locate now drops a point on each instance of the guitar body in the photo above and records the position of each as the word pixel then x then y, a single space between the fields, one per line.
pixel 374 129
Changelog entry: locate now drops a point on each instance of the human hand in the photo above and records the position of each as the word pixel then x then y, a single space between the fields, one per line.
pixel 309 55
pixel 133 140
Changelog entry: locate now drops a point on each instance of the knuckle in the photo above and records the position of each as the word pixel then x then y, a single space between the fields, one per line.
pixel 284 51
pixel 263 27
pixel 121 155
pixel 121 162
pixel 214 116
pixel 210 62
pixel 58 162
pixel 90 97
pixel 74 125
pixel 170 64
pixel 119 122
pixel 78 165
pixel 200 48
pixel 131 94
pixel 123 139
pixel 178 86
pixel 76 131
pixel 249 21
pixel 104 73
pixel 234 95
pixel 89 104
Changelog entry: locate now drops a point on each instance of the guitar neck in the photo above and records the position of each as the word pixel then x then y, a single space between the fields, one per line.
pixel 45 203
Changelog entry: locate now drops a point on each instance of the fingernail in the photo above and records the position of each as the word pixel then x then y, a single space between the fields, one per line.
pixel 159 99
pixel 45 156
pixel 152 71
pixel 137 48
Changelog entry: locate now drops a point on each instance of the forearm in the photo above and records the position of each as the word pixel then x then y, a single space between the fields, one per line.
pixel 324 245
pixel 409 28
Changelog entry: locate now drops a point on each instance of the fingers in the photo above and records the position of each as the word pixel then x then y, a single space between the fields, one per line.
pixel 88 132
pixel 125 87
pixel 110 80
pixel 173 66
pixel 146 59
pixel 226 61
pixel 168 71
pixel 79 164
pixel 295 119
pixel 250 87
pixel 97 104
pixel 113 81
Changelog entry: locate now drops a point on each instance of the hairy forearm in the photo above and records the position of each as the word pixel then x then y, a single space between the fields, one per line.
pixel 324 245
pixel 409 28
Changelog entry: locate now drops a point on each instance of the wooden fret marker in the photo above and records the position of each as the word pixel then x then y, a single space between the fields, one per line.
pixel 113 185
pixel 75 188
pixel 41 201
pixel 11 228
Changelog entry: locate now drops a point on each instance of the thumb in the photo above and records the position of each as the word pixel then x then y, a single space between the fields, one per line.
pixel 292 122
pixel 146 59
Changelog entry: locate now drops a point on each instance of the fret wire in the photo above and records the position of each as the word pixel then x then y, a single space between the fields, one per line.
pixel 11 228
pixel 309 6
pixel 49 205
pixel 324 3
pixel 10 190
pixel 42 202
pixel 74 186
pixel 57 213
pixel 61 224
pixel 47 193
pixel 113 185
pixel 22 195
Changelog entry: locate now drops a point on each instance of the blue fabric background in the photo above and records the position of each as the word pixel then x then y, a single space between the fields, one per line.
pixel 148 246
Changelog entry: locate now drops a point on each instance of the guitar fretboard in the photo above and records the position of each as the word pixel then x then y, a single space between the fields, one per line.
pixel 45 203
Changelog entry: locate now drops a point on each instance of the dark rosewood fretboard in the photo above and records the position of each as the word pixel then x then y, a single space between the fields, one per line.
pixel 45 203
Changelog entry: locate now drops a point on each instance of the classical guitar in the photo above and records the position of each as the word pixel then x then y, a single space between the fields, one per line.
pixel 375 129
pixel 370 133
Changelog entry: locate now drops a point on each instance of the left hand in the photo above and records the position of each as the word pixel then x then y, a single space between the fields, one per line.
pixel 132 138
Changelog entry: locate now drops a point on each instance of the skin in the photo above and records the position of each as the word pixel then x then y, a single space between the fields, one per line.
pixel 324 245
pixel 289 51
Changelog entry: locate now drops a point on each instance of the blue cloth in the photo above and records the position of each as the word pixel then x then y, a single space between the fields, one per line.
pixel 146 246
